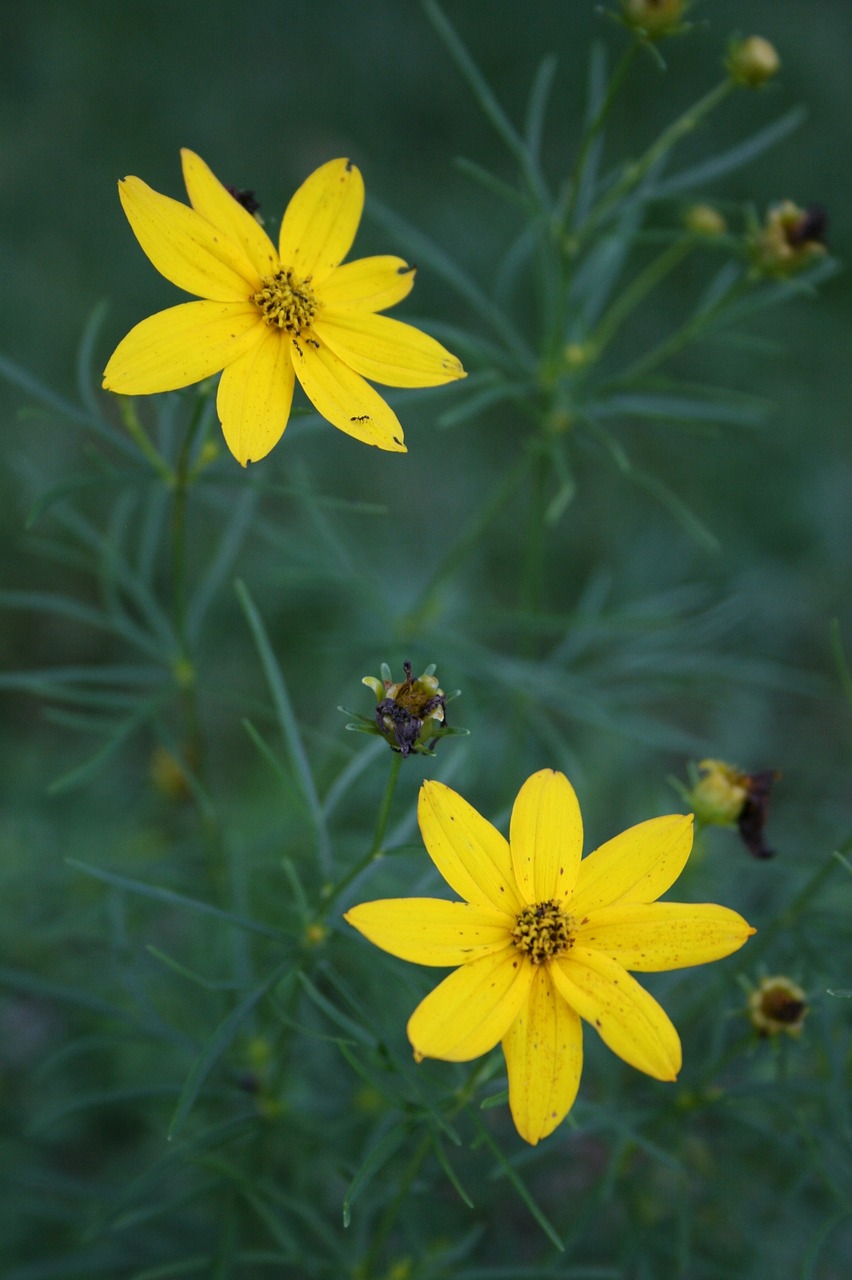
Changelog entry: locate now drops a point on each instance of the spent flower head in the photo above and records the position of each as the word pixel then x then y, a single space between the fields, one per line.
pixel 544 940
pixel 790 239
pixel 411 714
pixel 269 314
pixel 777 1005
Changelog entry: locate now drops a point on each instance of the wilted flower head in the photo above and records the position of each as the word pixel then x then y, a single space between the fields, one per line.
pixel 653 18
pixel 753 61
pixel 410 714
pixel 724 795
pixel 405 708
pixel 777 1005
pixel 268 314
pixel 790 239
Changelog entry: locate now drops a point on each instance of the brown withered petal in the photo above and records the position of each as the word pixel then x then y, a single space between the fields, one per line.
pixel 755 811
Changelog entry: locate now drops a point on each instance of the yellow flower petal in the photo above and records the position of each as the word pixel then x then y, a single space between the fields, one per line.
pixel 182 345
pixel 626 1017
pixel 186 248
pixel 343 397
pixel 254 398
pixel 664 935
pixel 544 1057
pixel 471 854
pixel 368 284
pixel 320 221
pixel 471 1010
pixel 430 930
pixel 546 835
pixel 215 203
pixel 636 866
pixel 386 350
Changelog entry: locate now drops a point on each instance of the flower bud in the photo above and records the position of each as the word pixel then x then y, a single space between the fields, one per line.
pixel 790 239
pixel 752 61
pixel 704 220
pixel 724 795
pixel 777 1005
pixel 653 19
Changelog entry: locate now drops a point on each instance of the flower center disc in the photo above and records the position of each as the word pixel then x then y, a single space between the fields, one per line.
pixel 287 302
pixel 543 931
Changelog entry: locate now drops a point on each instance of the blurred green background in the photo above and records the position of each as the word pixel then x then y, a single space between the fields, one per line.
pixel 677 651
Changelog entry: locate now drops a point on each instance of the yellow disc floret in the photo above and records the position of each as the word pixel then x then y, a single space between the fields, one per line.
pixel 286 301
pixel 543 931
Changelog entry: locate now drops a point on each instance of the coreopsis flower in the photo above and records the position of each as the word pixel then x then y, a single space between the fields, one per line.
pixel 777 1005
pixel 266 315
pixel 790 239
pixel 544 940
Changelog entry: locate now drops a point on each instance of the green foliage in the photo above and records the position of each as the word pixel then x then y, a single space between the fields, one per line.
pixel 619 539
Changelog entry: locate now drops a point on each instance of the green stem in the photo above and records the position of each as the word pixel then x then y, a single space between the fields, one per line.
pixel 376 849
pixel 130 418
pixel 634 173
pixel 637 291
pixel 392 1212
pixel 688 333
pixel 616 81
pixel 181 483
pixel 470 537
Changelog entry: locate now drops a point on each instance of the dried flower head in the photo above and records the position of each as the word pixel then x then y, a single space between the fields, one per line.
pixel 777 1005
pixel 410 714
pixel 790 239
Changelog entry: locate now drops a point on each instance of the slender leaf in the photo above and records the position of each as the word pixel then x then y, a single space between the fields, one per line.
pixel 174 899
pixel 288 724
pixel 217 1044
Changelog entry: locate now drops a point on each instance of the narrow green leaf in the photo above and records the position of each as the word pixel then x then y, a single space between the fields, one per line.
pixel 710 171
pixel 209 984
pixel 58 404
pixel 537 106
pixel 525 1195
pixel 375 1160
pixel 452 1176
pixel 217 1044
pixel 488 103
pixel 288 724
pixel 174 899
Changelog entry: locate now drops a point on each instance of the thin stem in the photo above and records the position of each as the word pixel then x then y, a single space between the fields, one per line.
pixel 392 1212
pixel 471 536
pixel 138 434
pixel 637 291
pixel 682 337
pixel 181 482
pixel 333 892
pixel 616 81
pixel 634 173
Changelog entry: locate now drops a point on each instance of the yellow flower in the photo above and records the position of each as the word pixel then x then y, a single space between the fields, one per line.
pixel 268 315
pixel 544 940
